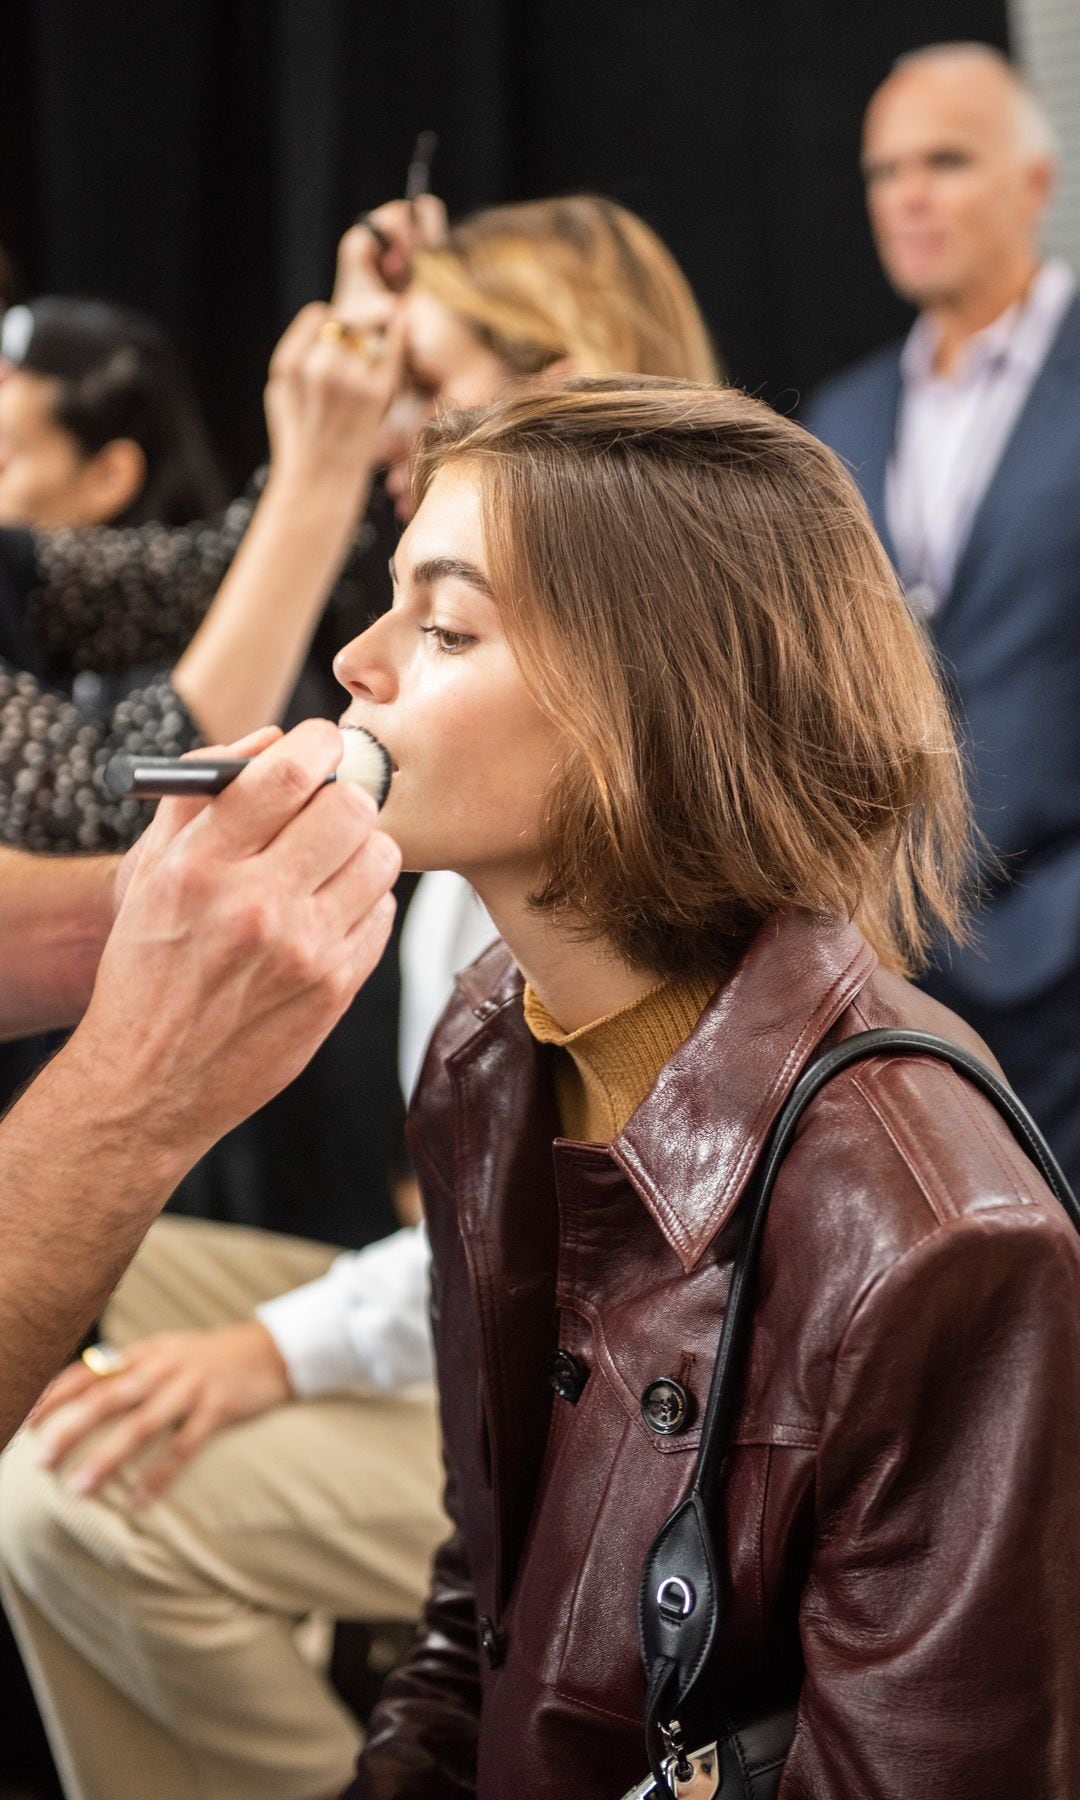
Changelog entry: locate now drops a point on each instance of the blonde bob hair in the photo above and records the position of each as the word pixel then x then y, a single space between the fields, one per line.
pixel 696 596
pixel 580 278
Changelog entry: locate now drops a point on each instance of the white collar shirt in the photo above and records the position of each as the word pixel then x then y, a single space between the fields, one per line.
pixel 952 429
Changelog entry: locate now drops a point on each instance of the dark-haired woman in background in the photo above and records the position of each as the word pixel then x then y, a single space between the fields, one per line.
pixel 99 428
pixel 99 425
pixel 220 643
pixel 99 422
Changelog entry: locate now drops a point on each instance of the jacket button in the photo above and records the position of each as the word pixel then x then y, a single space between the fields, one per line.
pixel 567 1376
pixel 665 1406
pixel 490 1642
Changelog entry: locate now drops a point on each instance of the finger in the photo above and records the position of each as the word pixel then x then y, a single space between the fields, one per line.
pixel 357 269
pixel 358 954
pixel 365 944
pixel 406 223
pixel 297 337
pixel 117 1394
pixel 348 896
pixel 252 745
pixel 362 379
pixel 337 825
pixel 272 793
pixel 172 815
pixel 368 311
pixel 68 1385
pixel 168 1406
pixel 429 218
pixel 348 366
pixel 397 221
pixel 164 1469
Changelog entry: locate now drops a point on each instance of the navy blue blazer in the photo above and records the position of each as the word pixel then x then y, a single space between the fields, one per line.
pixel 1008 636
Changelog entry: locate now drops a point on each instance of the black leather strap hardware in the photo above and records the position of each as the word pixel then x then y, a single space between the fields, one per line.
pixel 676 1641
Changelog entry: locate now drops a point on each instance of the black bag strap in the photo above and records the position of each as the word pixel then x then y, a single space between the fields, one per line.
pixel 678 1610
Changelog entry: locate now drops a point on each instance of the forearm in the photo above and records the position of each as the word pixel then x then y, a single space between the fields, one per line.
pixel 54 918
pixel 243 662
pixel 81 1179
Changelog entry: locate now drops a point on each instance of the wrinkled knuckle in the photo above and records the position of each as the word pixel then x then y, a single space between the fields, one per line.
pixel 292 776
pixel 301 959
pixel 251 923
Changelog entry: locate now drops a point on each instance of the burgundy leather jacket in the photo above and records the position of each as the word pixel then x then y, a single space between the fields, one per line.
pixel 899 1522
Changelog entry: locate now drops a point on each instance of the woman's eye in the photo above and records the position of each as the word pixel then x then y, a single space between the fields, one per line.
pixel 451 643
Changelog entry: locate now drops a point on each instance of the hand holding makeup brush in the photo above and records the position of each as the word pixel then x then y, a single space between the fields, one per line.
pixel 246 924
pixel 252 919
pixel 375 254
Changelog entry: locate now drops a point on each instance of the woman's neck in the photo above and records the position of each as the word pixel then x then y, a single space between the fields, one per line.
pixel 579 980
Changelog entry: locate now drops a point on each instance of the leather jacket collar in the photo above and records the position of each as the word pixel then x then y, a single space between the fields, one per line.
pixel 754 1038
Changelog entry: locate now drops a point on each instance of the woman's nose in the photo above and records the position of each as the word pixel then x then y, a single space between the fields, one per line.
pixel 364 670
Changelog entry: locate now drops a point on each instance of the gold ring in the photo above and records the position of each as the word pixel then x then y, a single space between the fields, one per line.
pixel 369 344
pixel 104 1360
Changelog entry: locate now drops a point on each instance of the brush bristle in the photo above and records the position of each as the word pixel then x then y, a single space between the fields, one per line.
pixel 367 762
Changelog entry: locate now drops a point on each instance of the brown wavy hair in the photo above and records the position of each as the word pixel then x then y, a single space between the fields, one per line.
pixel 695 594
pixel 577 277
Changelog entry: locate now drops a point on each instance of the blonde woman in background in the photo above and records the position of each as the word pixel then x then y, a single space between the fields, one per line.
pixel 548 288
pixel 271 1450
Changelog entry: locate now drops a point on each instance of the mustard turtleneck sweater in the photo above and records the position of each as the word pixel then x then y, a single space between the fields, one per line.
pixel 609 1066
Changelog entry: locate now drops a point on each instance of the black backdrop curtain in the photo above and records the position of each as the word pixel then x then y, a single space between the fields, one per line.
pixel 200 159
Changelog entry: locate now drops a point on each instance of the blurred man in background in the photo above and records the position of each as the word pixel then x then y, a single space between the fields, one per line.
pixel 966 442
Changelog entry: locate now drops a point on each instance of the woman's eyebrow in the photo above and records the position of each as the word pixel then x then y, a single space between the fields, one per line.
pixel 452 568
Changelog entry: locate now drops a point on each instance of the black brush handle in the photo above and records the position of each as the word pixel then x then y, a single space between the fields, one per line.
pixel 156 777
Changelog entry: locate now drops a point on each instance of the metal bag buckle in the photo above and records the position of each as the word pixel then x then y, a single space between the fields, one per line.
pixel 699 1779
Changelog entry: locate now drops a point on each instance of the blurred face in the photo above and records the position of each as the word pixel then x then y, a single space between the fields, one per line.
pixel 42 467
pixel 436 681
pixel 954 200
pixel 449 367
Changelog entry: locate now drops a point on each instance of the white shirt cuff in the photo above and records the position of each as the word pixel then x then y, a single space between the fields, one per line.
pixel 362 1324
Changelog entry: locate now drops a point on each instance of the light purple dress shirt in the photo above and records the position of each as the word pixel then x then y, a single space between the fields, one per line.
pixel 952 430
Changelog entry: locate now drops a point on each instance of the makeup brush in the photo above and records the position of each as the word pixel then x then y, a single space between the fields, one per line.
pixel 364 760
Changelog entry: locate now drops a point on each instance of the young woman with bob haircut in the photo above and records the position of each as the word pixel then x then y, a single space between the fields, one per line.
pixel 263 1510
pixel 650 685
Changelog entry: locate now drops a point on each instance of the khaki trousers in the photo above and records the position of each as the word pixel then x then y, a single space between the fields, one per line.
pixel 162 1642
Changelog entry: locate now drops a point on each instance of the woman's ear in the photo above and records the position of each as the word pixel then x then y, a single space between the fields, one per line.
pixel 113 479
